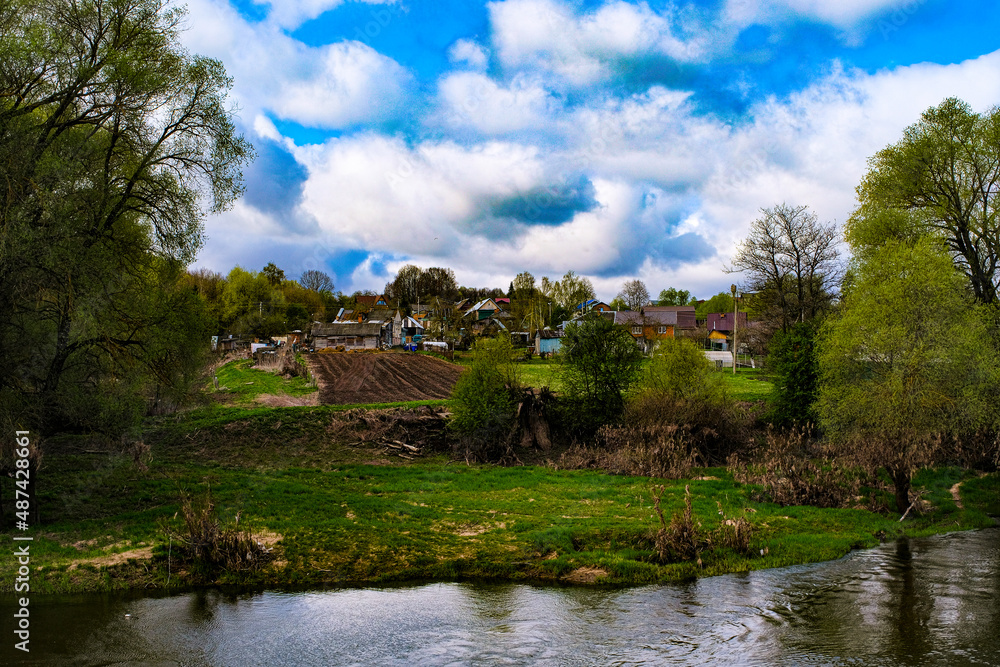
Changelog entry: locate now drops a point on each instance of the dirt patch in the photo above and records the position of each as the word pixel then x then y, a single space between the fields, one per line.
pixel 957 496
pixel 272 401
pixel 585 575
pixel 346 379
pixel 144 553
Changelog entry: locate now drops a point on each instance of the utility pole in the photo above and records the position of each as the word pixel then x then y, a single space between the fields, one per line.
pixel 735 317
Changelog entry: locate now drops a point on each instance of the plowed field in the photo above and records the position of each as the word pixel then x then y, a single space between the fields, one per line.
pixel 346 379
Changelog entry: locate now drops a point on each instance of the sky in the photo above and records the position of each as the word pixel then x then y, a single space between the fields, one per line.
pixel 616 139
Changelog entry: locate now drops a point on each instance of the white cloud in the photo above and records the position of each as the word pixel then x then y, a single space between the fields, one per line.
pixel 349 83
pixel 329 87
pixel 468 52
pixel 475 100
pixel 548 35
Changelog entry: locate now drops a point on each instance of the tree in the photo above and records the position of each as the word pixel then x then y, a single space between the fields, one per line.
pixel 791 261
pixel 720 303
pixel 440 282
pixel 274 275
pixel 940 179
pixel 601 361
pixel 792 360
pixel 905 362
pixel 675 297
pixel 114 141
pixel 405 287
pixel 486 397
pixel 316 281
pixel 569 292
pixel 634 294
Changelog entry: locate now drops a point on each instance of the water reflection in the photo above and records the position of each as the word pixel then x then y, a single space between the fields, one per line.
pixel 922 602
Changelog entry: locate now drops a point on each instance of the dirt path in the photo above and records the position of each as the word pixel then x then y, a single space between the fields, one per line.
pixel 957 496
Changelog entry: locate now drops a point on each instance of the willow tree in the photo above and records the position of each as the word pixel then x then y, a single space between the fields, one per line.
pixel 115 143
pixel 941 179
pixel 905 366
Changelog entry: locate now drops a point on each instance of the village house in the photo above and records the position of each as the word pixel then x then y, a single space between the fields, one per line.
pixel 720 328
pixel 351 335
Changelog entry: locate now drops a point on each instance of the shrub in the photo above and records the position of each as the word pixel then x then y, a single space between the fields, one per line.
pixel 795 366
pixel 660 450
pixel 486 398
pixel 210 547
pixel 601 362
pixel 682 539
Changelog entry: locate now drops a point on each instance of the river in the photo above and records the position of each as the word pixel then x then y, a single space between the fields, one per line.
pixel 930 601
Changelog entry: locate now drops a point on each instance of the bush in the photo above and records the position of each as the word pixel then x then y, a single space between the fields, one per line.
pixel 486 399
pixel 794 470
pixel 659 450
pixel 680 388
pixel 795 366
pixel 210 547
pixel 601 362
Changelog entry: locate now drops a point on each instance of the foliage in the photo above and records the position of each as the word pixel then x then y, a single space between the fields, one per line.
pixel 793 363
pixel 938 180
pixel 600 364
pixel 720 303
pixel 682 538
pixel 569 292
pixel 791 262
pixel 675 297
pixel 679 368
pixel 110 154
pixel 252 304
pixel 906 359
pixel 791 468
pixel 634 294
pixel 486 399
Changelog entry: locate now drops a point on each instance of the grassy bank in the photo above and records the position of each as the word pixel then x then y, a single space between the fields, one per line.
pixel 343 511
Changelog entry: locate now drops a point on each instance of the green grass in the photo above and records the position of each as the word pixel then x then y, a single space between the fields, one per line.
pixel 244 384
pixel 344 520
pixel 748 384
pixel 539 373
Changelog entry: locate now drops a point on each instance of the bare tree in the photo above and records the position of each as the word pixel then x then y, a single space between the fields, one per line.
pixel 316 281
pixel 634 294
pixel 792 263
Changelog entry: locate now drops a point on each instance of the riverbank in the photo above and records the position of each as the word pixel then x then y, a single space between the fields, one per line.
pixel 338 508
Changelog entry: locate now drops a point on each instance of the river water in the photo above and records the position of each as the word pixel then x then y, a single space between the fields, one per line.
pixel 933 601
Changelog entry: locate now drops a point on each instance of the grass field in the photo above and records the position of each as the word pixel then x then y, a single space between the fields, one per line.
pixel 337 518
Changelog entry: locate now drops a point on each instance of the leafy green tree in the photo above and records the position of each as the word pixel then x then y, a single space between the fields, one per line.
pixel 905 363
pixel 792 360
pixel 720 303
pixel 274 275
pixel 940 179
pixel 114 142
pixel 485 398
pixel 675 297
pixel 601 361
pixel 679 368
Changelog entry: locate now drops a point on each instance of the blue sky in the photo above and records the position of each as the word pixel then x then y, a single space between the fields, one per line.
pixel 615 139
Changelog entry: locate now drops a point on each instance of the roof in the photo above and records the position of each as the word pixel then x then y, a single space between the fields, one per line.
pixel 410 323
pixel 682 317
pixel 723 321
pixel 380 315
pixel 591 304
pixel 628 317
pixel 483 305
pixel 347 329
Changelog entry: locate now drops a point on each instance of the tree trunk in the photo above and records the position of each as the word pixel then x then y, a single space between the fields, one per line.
pixel 901 480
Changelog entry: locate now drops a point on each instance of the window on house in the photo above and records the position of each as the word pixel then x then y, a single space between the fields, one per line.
pixel 663 329
pixel 636 331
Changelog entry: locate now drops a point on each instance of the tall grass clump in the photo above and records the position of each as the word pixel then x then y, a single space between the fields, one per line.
pixel 209 547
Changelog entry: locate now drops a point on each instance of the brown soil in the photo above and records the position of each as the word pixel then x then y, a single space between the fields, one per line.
pixel 346 379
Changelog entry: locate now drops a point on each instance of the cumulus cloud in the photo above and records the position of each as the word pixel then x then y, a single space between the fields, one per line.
pixel 474 100
pixel 467 52
pixel 347 83
pixel 583 49
pixel 330 87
